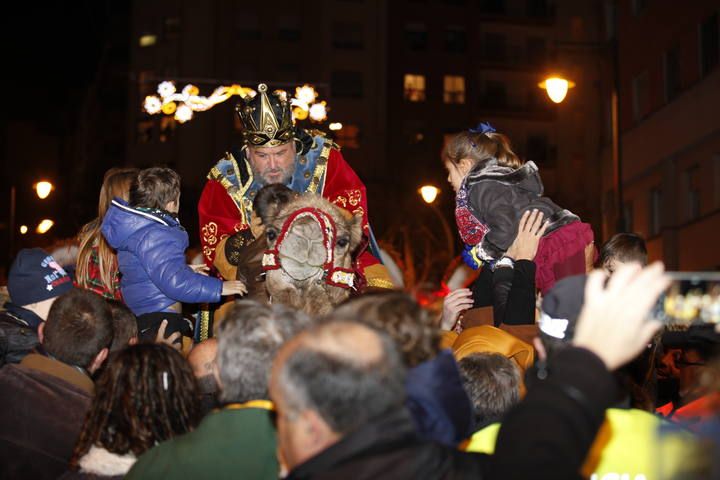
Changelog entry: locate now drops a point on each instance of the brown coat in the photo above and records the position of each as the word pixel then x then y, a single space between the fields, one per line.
pixel 42 407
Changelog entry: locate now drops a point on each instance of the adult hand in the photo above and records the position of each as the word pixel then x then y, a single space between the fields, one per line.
pixel 454 304
pixel 613 322
pixel 530 231
pixel 200 268
pixel 170 341
pixel 234 287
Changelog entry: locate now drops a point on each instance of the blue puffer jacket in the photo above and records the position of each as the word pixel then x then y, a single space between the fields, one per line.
pixel 151 256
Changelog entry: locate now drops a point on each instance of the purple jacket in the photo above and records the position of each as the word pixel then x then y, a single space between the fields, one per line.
pixel 151 256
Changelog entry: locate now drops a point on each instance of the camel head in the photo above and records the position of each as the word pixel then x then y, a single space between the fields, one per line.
pixel 308 262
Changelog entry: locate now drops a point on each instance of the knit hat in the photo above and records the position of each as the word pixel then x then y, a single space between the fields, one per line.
pixel 561 308
pixel 36 276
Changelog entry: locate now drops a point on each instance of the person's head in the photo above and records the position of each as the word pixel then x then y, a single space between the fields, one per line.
pixel 329 381
pixel 270 199
pixel 78 330
pixel 623 248
pixel 125 331
pixel 248 338
pixel 146 396
pixel 559 314
pixel 493 384
pixel 269 135
pixel 36 280
pixel 468 148
pixel 400 317
pixel 202 358
pixel 687 354
pixel 156 187
pixel 116 183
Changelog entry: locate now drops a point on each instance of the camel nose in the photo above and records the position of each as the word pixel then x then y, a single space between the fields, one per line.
pixel 302 251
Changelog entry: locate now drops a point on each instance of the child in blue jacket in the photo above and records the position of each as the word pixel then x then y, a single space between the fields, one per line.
pixel 151 246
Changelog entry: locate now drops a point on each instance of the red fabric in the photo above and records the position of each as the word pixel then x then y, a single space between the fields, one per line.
pixel 345 189
pixel 220 217
pixel 562 254
pixel 694 413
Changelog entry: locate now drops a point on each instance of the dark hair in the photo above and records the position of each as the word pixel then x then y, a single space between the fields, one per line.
pixel 624 247
pixel 124 325
pixel 493 383
pixel 146 396
pixel 398 315
pixel 271 198
pixel 480 147
pixel 248 339
pixel 78 327
pixel 345 389
pixel 154 188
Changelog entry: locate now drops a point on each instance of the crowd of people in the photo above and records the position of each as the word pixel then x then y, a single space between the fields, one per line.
pixel 548 366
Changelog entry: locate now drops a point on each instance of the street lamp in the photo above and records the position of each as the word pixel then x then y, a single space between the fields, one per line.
pixel 44 226
pixel 556 87
pixel 429 194
pixel 43 189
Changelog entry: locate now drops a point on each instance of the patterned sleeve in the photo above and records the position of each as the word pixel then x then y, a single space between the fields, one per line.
pixel 219 218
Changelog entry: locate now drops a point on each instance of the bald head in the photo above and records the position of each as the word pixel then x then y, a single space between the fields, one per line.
pixel 330 380
pixel 202 358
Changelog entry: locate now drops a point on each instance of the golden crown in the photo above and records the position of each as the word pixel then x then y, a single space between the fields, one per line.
pixel 266 119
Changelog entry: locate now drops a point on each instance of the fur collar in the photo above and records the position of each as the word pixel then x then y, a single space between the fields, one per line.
pixel 99 461
pixel 493 171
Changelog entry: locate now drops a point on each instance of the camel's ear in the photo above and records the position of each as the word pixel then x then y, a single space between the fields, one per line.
pixel 356 231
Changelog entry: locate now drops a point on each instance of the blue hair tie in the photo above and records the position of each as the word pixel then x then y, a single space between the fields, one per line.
pixel 483 127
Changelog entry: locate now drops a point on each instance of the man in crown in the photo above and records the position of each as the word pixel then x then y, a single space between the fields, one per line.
pixel 277 151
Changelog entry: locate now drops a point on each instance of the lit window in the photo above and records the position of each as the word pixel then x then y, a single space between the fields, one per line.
pixel 414 87
pixel 454 89
pixel 348 136
pixel 148 40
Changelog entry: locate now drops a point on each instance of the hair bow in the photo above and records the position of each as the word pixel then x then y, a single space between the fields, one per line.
pixel 483 127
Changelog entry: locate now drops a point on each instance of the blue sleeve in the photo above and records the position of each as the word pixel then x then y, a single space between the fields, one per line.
pixel 162 254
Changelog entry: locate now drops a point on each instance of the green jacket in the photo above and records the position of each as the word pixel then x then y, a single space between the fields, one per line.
pixel 235 442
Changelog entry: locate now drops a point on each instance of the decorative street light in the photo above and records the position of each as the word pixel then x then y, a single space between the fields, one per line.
pixel 429 193
pixel 182 104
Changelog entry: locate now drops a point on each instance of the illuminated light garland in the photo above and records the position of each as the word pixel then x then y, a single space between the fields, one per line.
pixel 184 103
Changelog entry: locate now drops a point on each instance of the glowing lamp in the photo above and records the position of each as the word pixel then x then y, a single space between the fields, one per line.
pixel 44 226
pixel 429 193
pixel 556 88
pixel 43 189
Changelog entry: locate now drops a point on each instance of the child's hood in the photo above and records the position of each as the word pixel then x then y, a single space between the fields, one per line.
pixel 122 221
pixel 526 177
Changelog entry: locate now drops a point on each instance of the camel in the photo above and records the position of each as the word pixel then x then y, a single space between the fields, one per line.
pixel 308 263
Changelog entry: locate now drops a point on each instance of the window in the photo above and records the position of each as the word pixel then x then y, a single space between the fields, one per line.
pixel 416 37
pixel 709 44
pixel 655 211
pixel 536 50
pixel 414 87
pixel 495 94
pixel 494 47
pixel 348 84
pixel 628 217
pixel 348 136
pixel 492 7
pixel 641 96
pixel 248 28
pixel 638 6
pixel 171 28
pixel 145 129
pixel 348 36
pixel 289 29
pixel 455 39
pixel 536 148
pixel 537 8
pixel 453 89
pixel 671 63
pixel 692 180
pixel 167 128
pixel 147 40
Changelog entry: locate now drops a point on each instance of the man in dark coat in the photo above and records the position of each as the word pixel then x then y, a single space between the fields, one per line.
pixel 45 398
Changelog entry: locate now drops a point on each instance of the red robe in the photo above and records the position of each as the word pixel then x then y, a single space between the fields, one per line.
pixel 221 215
